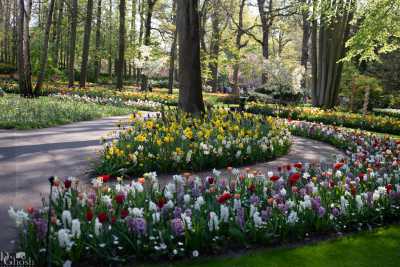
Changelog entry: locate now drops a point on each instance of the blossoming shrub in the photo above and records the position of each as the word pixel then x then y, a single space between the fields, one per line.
pixel 177 142
pixel 193 216
pixel 384 124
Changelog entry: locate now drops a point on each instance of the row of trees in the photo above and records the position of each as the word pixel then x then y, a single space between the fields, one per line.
pixel 228 31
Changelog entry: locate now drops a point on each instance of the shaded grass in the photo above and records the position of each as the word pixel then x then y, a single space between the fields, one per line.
pixel 42 112
pixel 378 248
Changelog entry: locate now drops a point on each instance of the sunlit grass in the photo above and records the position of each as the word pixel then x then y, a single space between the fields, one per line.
pixel 22 113
pixel 380 248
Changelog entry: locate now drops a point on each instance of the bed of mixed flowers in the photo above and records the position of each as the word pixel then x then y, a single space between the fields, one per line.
pixel 378 123
pixel 192 216
pixel 175 141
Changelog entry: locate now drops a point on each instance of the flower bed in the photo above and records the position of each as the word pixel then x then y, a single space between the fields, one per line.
pixel 178 142
pixel 145 105
pixel 384 124
pixel 191 216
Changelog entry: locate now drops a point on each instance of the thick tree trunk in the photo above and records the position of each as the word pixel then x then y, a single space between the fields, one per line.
pixel 172 54
pixel 86 43
pixel 190 94
pixel 58 33
pixel 132 37
pixel 72 43
pixel 97 43
pixel 43 58
pixel 314 63
pixel 110 45
pixel 24 61
pixel 121 45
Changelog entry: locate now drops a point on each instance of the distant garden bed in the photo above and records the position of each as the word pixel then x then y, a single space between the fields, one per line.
pixel 193 216
pixel 21 113
pixel 174 141
pixel 376 123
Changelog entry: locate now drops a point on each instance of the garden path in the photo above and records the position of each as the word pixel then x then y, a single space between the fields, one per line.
pixel 28 158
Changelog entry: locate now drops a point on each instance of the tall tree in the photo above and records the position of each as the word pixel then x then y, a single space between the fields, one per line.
pixel 24 59
pixel 215 43
pixel 43 58
pixel 132 33
pixel 72 42
pixel 333 28
pixel 121 44
pixel 306 38
pixel 86 43
pixel 58 32
pixel 190 94
pixel 172 54
pixel 97 42
pixel 147 36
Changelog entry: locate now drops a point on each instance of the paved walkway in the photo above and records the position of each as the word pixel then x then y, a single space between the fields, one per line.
pixel 28 158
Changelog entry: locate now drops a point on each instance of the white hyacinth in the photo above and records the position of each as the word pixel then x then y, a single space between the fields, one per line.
pixel 293 218
pixel 136 212
pixel 186 199
pixel 64 239
pixel 76 228
pixel 224 214
pixel 19 216
pixel 199 202
pixel 213 223
pixel 66 218
pixel 97 227
pixel 257 220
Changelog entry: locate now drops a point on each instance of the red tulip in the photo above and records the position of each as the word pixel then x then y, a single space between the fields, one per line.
pixel 389 188
pixel 274 178
pixel 124 214
pixel 105 177
pixel 294 178
pixel 252 187
pixel 298 165
pixel 161 202
pixel 89 215
pixel 120 198
pixel 113 219
pixel 338 165
pixel 210 180
pixel 67 183
pixel 102 217
pixel 224 197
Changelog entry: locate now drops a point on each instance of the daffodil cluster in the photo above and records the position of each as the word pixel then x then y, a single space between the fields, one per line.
pixel 177 141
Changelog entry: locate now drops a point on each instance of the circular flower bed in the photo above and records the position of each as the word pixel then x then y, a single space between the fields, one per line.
pixel 192 216
pixel 178 142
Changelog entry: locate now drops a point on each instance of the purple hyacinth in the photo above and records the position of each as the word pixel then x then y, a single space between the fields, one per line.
pixel 266 214
pixel 41 227
pixel 321 212
pixel 240 217
pixel 177 212
pixel 254 199
pixel 177 227
pixel 335 212
pixel 137 225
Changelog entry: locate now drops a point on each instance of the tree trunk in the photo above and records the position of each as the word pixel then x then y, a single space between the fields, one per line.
pixel 121 45
pixel 24 60
pixel 305 47
pixel 239 46
pixel 147 36
pixel 132 37
pixel 72 42
pixel 86 43
pixel 110 29
pixel 172 55
pixel 266 22
pixel 190 94
pixel 214 46
pixel 366 100
pixel 43 58
pixel 58 33
pixel 97 60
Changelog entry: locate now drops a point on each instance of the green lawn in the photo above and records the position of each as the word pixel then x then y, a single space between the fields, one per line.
pixel 42 112
pixel 380 248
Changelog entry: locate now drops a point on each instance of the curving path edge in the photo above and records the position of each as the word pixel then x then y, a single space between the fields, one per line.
pixel 28 158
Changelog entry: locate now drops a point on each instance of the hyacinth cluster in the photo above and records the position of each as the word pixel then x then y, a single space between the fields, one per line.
pixel 176 141
pixel 192 216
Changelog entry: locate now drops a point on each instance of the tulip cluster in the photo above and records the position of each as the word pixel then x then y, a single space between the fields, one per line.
pixel 192 216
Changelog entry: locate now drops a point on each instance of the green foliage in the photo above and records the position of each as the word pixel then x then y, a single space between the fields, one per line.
pixel 378 33
pixel 42 112
pixel 7 68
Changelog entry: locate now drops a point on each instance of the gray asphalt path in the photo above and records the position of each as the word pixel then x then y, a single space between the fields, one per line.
pixel 28 158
